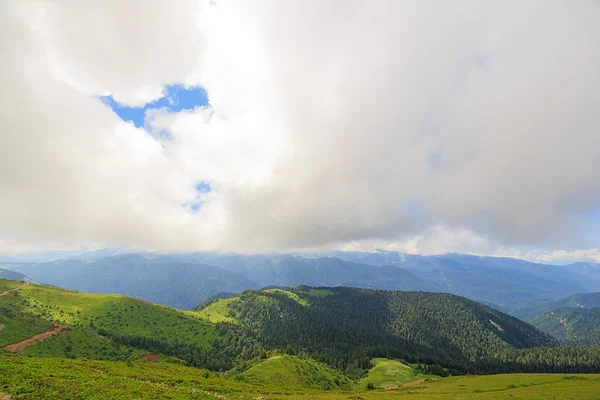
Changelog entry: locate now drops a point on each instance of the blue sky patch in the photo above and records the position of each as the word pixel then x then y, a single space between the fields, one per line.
pixel 177 98
pixel 203 187
pixel 434 160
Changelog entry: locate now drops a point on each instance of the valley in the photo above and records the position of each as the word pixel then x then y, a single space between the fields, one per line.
pixel 283 342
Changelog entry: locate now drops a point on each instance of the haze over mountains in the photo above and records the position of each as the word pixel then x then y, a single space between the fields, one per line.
pixel 186 280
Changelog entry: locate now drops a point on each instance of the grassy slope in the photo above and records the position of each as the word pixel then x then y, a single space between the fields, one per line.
pixel 294 372
pixel 18 326
pixel 7 285
pixel 291 295
pixel 390 373
pixel 218 311
pixel 115 313
pixel 33 378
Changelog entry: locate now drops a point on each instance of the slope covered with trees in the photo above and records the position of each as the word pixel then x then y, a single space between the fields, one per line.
pixel 574 326
pixel 346 327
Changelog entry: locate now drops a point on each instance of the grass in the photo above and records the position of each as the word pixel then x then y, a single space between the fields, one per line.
pixel 27 378
pixel 296 372
pixel 289 294
pixel 7 285
pixel 218 311
pixel 18 326
pixel 115 313
pixel 386 374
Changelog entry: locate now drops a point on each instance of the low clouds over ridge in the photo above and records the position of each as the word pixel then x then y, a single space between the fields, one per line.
pixel 329 122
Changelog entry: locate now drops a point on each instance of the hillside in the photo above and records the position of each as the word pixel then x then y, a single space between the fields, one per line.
pixel 574 326
pixel 156 279
pixel 537 307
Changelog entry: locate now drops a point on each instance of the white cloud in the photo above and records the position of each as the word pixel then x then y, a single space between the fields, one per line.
pixel 324 116
pixel 554 256
pixel 436 240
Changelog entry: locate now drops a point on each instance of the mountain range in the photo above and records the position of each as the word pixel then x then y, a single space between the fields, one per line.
pixel 186 280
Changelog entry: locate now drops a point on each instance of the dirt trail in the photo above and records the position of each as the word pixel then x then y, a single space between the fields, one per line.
pixel 414 382
pixel 12 290
pixel 38 337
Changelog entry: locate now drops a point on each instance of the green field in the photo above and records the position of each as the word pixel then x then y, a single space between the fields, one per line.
pixel 36 378
pixel 115 313
pixel 386 374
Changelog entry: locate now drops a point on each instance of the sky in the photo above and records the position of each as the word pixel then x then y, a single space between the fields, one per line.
pixel 227 125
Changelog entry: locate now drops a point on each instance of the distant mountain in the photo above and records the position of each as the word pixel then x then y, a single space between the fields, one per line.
pixel 574 326
pixel 537 307
pixel 588 269
pixel 292 270
pixel 505 282
pixel 12 275
pixel 155 279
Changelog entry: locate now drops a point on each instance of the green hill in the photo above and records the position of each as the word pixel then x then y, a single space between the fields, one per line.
pixel 388 374
pixel 97 324
pixel 348 327
pixel 296 372
pixel 117 314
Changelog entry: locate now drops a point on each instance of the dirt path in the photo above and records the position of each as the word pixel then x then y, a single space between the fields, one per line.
pixel 414 382
pixel 12 290
pixel 38 337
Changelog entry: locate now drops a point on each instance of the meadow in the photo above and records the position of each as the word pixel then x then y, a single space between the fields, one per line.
pixel 31 378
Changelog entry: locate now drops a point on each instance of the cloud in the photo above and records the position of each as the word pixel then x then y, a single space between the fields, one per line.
pixel 554 256
pixel 435 240
pixel 328 121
